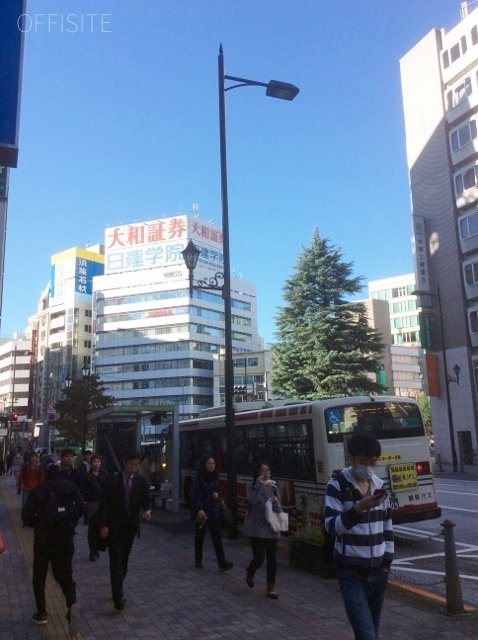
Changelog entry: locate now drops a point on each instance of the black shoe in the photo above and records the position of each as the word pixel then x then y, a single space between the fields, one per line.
pixel 198 564
pixel 226 566
pixel 73 617
pixel 120 604
pixel 97 554
pixel 40 618
pixel 92 557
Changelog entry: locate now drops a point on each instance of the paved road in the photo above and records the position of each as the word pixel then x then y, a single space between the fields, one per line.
pixel 167 598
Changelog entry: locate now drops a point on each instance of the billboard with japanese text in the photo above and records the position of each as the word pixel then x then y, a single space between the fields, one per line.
pixel 158 244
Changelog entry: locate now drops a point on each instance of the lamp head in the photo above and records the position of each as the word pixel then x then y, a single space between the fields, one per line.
pixel 191 255
pixel 281 90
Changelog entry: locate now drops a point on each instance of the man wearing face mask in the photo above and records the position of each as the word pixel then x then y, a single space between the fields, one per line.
pixel 358 514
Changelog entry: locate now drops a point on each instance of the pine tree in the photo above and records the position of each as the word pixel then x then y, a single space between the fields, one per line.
pixel 325 346
pixel 80 399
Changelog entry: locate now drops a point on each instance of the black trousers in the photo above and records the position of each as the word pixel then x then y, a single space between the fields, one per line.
pixel 264 549
pixel 215 531
pixel 59 552
pixel 120 542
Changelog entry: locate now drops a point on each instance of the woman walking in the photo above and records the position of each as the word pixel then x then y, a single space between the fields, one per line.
pixel 206 512
pixel 92 484
pixel 262 537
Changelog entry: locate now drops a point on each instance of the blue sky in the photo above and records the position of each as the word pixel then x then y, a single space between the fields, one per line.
pixel 119 123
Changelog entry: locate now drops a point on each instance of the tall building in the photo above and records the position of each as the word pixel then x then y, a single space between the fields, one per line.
pixel 440 102
pixel 16 369
pixel 407 359
pixel 154 343
pixel 62 328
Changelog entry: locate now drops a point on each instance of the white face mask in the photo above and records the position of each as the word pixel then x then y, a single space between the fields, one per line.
pixel 363 472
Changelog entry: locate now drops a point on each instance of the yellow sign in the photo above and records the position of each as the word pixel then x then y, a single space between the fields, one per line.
pixel 403 476
pixel 387 458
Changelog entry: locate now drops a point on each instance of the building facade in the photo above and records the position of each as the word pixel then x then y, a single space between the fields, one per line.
pixel 440 102
pixel 407 360
pixel 62 328
pixel 154 342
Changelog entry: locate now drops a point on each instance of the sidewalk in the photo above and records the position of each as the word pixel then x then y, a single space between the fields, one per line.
pixel 167 598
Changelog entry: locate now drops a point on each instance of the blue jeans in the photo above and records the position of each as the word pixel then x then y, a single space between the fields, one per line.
pixel 363 599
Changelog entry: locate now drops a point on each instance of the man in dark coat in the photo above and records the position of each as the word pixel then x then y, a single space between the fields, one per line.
pixel 53 540
pixel 119 517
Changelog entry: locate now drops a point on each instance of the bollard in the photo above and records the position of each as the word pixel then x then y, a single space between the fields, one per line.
pixel 439 462
pixel 454 599
pixel 305 511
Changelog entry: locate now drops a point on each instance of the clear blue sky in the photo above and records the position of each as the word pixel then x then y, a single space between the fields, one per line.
pixel 121 125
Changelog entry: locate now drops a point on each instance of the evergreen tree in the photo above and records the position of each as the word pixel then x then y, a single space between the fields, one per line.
pixel 325 346
pixel 80 399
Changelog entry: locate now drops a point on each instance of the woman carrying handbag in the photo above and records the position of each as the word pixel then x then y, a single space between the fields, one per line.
pixel 206 512
pixel 262 536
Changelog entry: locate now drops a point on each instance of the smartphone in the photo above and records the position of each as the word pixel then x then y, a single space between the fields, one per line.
pixel 379 492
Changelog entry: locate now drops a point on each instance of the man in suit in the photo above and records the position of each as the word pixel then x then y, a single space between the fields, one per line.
pixel 124 494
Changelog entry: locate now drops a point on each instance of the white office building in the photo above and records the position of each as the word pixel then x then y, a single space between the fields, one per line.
pixel 154 343
pixel 406 355
pixel 440 101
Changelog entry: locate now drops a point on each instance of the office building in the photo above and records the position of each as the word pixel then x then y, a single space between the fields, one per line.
pixel 440 101
pixel 62 328
pixel 407 360
pixel 155 344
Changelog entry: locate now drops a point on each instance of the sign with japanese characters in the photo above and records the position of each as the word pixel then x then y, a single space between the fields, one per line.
pixel 155 244
pixel 403 476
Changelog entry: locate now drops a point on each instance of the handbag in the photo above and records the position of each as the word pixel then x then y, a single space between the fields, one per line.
pixel 277 521
pixel 226 517
pixel 2 544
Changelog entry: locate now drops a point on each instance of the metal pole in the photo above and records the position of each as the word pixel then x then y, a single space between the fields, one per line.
pixel 447 383
pixel 226 294
pixel 454 599
pixel 176 471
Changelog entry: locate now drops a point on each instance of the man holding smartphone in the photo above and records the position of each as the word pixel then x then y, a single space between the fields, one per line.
pixel 358 514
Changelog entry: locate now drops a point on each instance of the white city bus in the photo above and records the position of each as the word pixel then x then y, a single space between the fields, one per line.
pixel 305 443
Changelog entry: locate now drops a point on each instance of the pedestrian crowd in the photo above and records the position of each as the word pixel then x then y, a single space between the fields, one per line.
pixel 57 490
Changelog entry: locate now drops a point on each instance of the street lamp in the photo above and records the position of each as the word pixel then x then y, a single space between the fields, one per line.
pixel 436 296
pixel 274 89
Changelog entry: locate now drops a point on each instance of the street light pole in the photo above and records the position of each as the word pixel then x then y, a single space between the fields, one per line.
pixel 226 294
pixel 274 89
pixel 437 297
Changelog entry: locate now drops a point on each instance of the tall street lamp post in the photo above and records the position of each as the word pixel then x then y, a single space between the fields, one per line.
pixel 436 296
pixel 274 89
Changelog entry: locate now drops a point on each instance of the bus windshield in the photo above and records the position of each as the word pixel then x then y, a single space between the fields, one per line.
pixel 395 419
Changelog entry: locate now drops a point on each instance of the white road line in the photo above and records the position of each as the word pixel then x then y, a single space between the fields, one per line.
pixel 435 573
pixel 443 506
pixel 460 493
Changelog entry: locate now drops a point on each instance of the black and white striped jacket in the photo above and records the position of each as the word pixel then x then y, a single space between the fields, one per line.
pixel 362 541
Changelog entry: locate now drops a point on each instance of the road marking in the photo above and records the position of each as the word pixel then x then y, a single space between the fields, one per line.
pixel 460 493
pixel 464 576
pixel 459 509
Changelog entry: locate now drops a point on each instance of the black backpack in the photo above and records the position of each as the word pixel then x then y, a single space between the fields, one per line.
pixel 64 507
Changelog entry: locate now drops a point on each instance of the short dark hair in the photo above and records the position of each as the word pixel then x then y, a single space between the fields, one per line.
pixel 67 452
pixel 96 456
pixel 364 444
pixel 131 455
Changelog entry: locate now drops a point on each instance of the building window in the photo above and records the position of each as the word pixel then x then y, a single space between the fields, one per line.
pixel 469 226
pixel 466 180
pixel 471 273
pixel 453 53
pixel 474 321
pixel 457 94
pixel 87 344
pixel 463 136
